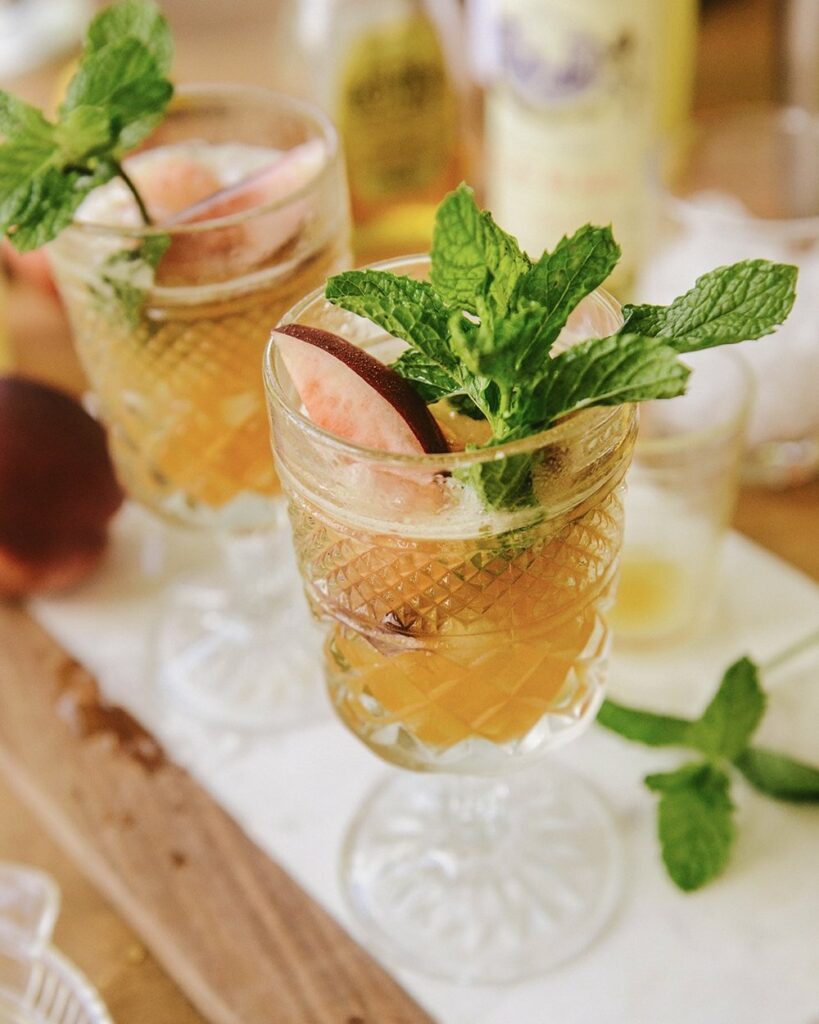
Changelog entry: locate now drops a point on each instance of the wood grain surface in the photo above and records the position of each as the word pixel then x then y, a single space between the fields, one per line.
pixel 238 935
pixel 785 522
pixel 90 932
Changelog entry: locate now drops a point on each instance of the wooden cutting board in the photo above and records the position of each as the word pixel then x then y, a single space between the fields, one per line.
pixel 245 943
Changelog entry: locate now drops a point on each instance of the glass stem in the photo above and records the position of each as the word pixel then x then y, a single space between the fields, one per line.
pixel 253 561
pixel 477 809
pixel 790 652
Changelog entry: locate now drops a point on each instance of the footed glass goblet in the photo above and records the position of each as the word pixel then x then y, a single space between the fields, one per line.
pixel 170 322
pixel 462 643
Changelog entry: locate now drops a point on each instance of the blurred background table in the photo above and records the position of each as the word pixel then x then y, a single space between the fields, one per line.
pixel 237 41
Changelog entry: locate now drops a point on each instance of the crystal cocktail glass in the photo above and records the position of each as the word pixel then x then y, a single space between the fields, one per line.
pixel 464 642
pixel 173 360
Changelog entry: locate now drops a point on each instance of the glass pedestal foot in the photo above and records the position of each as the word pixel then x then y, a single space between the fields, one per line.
pixel 241 651
pixel 482 880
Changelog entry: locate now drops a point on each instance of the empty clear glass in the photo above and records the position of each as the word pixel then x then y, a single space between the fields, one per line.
pixel 682 488
pixel 37 984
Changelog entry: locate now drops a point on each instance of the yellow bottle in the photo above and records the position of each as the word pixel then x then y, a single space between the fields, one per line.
pixel 674 65
pixel 391 82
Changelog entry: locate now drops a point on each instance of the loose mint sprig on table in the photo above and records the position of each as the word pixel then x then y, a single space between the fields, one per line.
pixel 695 813
pixel 481 331
pixel 117 96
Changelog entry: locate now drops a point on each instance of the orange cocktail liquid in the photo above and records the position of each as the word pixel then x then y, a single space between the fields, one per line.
pixel 435 642
pixel 181 390
pixel 174 355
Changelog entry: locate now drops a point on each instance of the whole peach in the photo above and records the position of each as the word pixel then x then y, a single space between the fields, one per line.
pixel 57 488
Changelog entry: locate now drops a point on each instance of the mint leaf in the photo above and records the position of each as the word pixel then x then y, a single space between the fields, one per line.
pixel 695 825
pixel 736 303
pixel 466 341
pixel 731 718
pixel 36 211
pixel 779 776
pixel 123 79
pixel 606 371
pixel 558 282
pixel 83 132
pixel 20 118
pixel 644 726
pixel 464 405
pixel 139 19
pixel 29 145
pixel 127 276
pixel 505 483
pixel 492 347
pixel 472 256
pixel 723 730
pixel 407 309
pixel 22 163
pixel 430 381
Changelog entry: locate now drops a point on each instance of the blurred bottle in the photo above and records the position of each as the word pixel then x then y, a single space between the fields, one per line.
pixel 578 94
pixel 798 45
pixel 675 62
pixel 32 32
pixel 389 73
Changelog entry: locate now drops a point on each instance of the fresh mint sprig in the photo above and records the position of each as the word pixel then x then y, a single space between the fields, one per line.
pixel 482 331
pixel 695 813
pixel 117 96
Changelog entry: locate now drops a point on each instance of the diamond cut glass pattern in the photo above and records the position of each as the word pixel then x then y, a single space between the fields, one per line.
pixel 182 392
pixel 438 647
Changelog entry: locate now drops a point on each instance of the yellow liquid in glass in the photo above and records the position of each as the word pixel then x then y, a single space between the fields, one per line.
pixel 435 643
pixel 655 596
pixel 181 391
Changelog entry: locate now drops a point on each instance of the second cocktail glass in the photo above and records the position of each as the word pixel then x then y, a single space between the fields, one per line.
pixel 464 642
pixel 173 359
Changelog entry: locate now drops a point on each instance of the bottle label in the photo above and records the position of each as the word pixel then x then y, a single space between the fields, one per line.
pixel 396 111
pixel 568 118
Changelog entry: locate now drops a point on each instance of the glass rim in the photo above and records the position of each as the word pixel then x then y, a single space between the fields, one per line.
pixel 674 443
pixel 789 118
pixel 202 91
pixel 571 428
